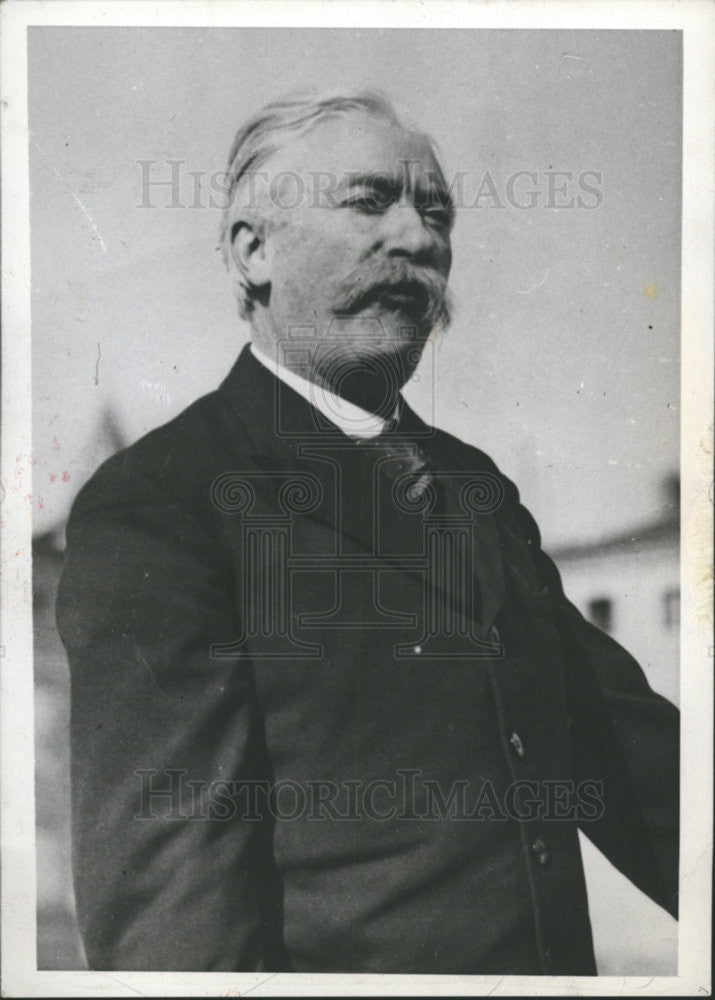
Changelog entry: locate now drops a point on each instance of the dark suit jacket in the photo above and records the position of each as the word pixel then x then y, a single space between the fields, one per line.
pixel 249 603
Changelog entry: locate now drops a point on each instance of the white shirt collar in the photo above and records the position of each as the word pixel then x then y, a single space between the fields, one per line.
pixel 352 420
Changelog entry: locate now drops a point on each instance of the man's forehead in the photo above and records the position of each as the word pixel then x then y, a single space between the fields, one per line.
pixel 356 144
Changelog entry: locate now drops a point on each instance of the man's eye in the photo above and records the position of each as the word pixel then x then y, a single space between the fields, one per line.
pixel 369 203
pixel 437 216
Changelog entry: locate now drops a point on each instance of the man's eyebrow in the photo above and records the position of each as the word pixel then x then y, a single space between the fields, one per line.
pixel 379 180
pixel 437 192
pixel 434 193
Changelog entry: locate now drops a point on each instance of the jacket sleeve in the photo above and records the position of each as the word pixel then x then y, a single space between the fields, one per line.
pixel 625 737
pixel 169 872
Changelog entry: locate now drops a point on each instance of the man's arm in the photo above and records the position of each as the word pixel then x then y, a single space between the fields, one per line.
pixel 623 734
pixel 159 885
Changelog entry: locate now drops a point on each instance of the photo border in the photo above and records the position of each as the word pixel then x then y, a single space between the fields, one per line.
pixel 19 974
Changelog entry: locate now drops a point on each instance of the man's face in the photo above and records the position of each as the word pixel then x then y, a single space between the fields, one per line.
pixel 359 246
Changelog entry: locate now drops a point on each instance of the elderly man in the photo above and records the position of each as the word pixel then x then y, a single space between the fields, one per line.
pixel 331 710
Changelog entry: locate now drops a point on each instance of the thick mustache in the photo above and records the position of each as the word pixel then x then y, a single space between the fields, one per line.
pixel 423 290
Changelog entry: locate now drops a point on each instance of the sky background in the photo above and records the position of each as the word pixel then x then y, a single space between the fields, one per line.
pixel 562 360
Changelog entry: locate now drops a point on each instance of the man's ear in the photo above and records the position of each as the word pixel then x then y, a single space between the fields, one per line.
pixel 248 249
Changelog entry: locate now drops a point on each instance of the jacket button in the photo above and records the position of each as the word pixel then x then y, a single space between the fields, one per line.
pixel 517 746
pixel 541 852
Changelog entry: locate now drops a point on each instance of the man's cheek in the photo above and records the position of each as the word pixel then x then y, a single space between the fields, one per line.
pixel 445 259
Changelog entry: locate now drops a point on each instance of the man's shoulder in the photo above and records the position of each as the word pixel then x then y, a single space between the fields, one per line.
pixel 444 446
pixel 171 464
pixel 469 454
pixel 489 479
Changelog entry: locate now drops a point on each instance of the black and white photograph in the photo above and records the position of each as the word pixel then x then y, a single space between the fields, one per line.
pixel 356 499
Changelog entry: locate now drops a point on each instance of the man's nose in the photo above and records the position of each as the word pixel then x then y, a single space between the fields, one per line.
pixel 405 232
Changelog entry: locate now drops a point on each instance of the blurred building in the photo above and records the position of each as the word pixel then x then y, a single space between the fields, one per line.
pixel 58 941
pixel 629 585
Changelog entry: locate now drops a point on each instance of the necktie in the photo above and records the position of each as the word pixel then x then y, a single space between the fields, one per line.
pixel 422 509
pixel 408 468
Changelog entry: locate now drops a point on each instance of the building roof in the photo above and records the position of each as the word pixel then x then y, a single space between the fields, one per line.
pixel 656 534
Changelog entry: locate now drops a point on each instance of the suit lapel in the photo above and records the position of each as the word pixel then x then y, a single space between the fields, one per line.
pixel 296 453
pixel 473 491
pixel 295 450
